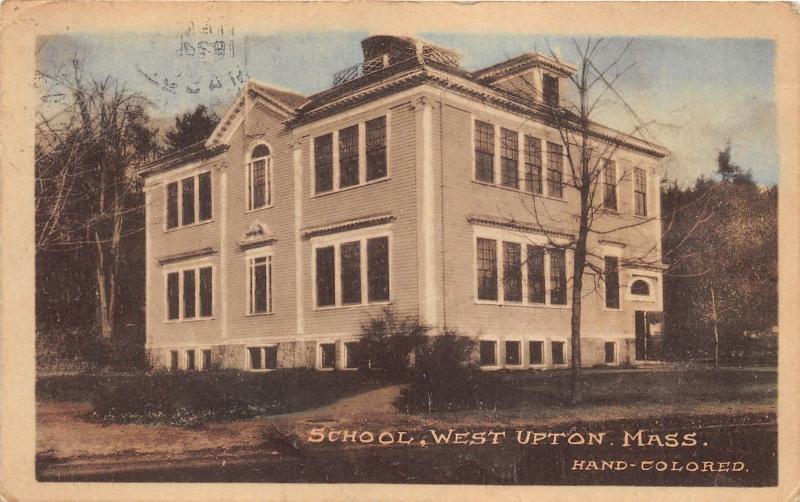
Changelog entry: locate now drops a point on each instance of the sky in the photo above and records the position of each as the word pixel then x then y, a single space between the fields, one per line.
pixel 698 95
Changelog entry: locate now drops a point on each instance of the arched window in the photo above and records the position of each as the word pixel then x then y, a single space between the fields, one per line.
pixel 640 288
pixel 259 178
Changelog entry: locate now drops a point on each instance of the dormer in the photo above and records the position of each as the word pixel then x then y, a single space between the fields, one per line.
pixel 529 76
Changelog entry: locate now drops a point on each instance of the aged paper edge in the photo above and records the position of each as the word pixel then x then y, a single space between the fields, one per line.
pixel 22 22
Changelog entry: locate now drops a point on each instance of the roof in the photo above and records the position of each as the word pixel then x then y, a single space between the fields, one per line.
pixel 191 153
pixel 288 97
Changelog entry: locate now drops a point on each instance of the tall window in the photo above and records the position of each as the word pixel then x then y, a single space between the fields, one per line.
pixel 533 164
pixel 376 148
pixel 259 175
pixel 348 156
pixel 173 360
pixel 536 284
pixel 550 90
pixel 509 158
pixel 611 274
pixel 172 205
pixel 640 191
pixel 487 269
pixel 484 152
pixel 512 272
pixel 259 272
pixel 173 296
pixel 189 200
pixel 323 163
pixel 378 268
pixel 190 293
pixel 351 272
pixel 555 170
pixel 190 362
pixel 558 277
pixel 326 276
pixel 610 185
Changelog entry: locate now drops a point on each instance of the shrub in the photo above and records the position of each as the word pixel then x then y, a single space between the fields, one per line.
pixel 390 341
pixel 190 399
pixel 446 378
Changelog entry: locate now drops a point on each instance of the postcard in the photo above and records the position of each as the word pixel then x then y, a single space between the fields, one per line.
pixel 384 250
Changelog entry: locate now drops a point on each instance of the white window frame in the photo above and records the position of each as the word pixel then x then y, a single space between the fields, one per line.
pixel 179 199
pixel 250 257
pixel 262 349
pixel 651 282
pixel 542 136
pixel 521 353
pixel 497 363
pixel 616 185
pixel 646 192
pixel 362 154
pixel 615 362
pixel 345 354
pixel 179 269
pixel 319 355
pixel 336 240
pixel 566 353
pixel 269 178
pixel 500 236
pixel 546 169
pixel 527 349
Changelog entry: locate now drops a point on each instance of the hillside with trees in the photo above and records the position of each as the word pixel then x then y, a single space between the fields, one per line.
pixel 721 247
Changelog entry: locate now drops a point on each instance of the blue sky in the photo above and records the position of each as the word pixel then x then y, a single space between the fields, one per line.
pixel 700 94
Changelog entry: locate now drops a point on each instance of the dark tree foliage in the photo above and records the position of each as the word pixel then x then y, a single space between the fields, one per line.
pixel 190 128
pixel 720 234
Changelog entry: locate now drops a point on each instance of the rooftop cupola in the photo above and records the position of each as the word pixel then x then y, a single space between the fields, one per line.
pixel 384 51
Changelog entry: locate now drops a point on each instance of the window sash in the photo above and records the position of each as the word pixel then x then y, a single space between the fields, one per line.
pixel 555 170
pixel 536 277
pixel 378 269
pixel 488 353
pixel 550 90
pixel 484 152
pixel 536 352
pixel 352 355
pixel 206 357
pixel 611 274
pixel 173 360
pixel 376 148
pixel 325 276
pixel 513 353
pixel 327 355
pixel 271 357
pixel 487 269
pixel 187 201
pixel 610 352
pixel 350 256
pixel 260 285
pixel 206 291
pixel 533 164
pixel 190 360
pixel 323 163
pixel 512 272
pixel 610 185
pixel 348 157
pixel 189 292
pixel 557 349
pixel 640 191
pixel 172 205
pixel 558 277
pixel 259 193
pixel 173 296
pixel 509 158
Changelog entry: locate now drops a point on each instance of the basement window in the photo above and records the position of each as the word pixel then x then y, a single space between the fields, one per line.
pixel 327 355
pixel 488 350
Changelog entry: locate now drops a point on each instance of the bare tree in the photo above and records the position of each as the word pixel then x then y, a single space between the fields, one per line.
pixel 86 194
pixel 589 150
